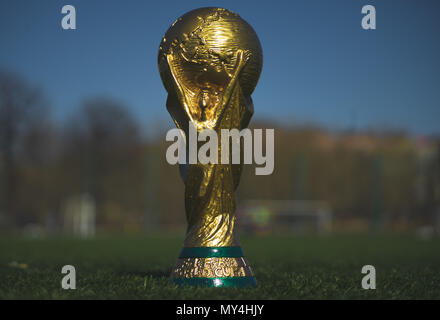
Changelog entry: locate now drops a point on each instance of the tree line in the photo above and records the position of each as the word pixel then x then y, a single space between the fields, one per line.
pixel 387 179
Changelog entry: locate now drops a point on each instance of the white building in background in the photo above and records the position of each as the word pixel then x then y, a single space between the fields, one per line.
pixel 80 215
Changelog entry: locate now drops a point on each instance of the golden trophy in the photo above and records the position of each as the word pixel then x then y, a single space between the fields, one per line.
pixel 210 60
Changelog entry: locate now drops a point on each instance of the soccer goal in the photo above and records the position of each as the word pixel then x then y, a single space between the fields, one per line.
pixel 285 215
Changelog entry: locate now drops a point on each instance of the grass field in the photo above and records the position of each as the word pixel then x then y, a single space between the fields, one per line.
pixel 286 267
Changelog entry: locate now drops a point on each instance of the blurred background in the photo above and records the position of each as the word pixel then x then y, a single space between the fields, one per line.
pixel 356 117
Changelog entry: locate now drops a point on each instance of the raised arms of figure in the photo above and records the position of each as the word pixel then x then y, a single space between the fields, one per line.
pixel 183 92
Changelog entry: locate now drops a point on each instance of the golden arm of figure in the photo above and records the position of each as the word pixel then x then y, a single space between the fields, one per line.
pixel 241 62
pixel 181 94
pixel 180 90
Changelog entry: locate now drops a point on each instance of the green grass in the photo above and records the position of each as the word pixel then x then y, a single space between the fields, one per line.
pixel 286 267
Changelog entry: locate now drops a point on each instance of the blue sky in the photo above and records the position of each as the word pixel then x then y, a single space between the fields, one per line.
pixel 320 66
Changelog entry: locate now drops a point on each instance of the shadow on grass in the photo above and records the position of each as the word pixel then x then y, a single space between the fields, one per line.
pixel 156 274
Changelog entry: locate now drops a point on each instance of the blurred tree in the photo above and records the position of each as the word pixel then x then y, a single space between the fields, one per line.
pixel 22 109
pixel 151 213
pixel 300 177
pixel 377 192
pixel 104 151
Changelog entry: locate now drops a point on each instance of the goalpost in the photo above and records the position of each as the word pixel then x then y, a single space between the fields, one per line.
pixel 285 215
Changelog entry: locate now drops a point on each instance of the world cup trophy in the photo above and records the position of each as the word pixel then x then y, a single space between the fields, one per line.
pixel 210 61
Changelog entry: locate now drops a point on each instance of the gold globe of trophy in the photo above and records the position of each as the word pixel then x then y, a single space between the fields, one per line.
pixel 210 60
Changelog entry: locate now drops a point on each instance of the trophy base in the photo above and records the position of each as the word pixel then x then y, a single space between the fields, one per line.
pixel 213 267
pixel 228 282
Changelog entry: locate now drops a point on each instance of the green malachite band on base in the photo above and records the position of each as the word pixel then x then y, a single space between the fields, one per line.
pixel 230 282
pixel 211 252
